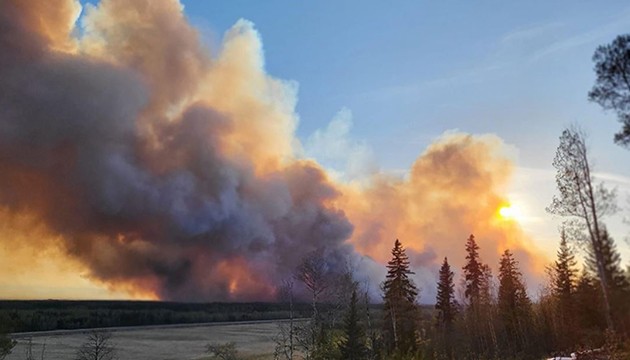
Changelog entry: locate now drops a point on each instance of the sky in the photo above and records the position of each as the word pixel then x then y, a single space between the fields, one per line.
pixel 407 73
pixel 196 151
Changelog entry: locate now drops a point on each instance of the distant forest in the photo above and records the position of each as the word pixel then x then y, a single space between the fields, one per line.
pixel 24 316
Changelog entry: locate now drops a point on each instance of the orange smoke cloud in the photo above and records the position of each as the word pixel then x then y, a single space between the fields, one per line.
pixel 454 188
pixel 49 23
pixel 160 171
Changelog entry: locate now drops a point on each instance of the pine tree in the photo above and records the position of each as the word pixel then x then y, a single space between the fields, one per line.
pixel 618 285
pixel 445 301
pixel 563 290
pixel 400 307
pixel 446 307
pixel 514 304
pixel 583 200
pixel 353 345
pixel 589 309
pixel 485 288
pixel 564 270
pixel 473 272
pixel 478 319
pixel 615 277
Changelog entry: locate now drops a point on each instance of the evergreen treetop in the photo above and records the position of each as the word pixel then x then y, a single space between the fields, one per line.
pixel 615 277
pixel 397 283
pixel 353 345
pixel 513 297
pixel 400 308
pixel 445 300
pixel 473 271
pixel 564 272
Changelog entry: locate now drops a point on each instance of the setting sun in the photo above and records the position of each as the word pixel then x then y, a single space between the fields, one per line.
pixel 510 212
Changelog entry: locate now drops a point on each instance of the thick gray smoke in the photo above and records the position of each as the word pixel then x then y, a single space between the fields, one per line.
pixel 152 161
pixel 168 170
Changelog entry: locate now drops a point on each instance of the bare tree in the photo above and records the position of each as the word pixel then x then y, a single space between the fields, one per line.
pixel 6 346
pixel 313 272
pixel 372 336
pixel 286 335
pixel 226 351
pixel 98 346
pixel 29 350
pixel 581 199
pixel 6 343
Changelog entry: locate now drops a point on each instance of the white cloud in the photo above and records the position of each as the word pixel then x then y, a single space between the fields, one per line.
pixel 347 158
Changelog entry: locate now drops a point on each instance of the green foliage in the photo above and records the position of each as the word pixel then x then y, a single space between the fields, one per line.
pixel 353 344
pixel 446 307
pixel 564 271
pixel 401 313
pixel 612 85
pixel 564 277
pixel 327 346
pixel 590 311
pixel 478 323
pixel 67 315
pixel 445 302
pixel 611 259
pixel 583 201
pixel 473 272
pixel 615 278
pixel 514 306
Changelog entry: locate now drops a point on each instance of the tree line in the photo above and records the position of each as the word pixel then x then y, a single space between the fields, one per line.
pixel 494 318
pixel 26 316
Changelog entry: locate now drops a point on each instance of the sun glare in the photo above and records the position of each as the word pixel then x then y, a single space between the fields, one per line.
pixel 510 212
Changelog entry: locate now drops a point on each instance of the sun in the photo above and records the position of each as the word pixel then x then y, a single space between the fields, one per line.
pixel 510 212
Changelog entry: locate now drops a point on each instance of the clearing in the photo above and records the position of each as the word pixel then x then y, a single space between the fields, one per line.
pixel 254 340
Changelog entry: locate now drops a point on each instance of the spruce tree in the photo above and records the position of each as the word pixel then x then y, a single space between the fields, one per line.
pixel 563 290
pixel 615 278
pixel 564 270
pixel 400 293
pixel 514 304
pixel 353 345
pixel 446 307
pixel 478 318
pixel 445 300
pixel 473 272
pixel 589 309
pixel 485 288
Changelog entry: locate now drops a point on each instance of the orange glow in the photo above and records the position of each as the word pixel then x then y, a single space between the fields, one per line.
pixel 455 188
pixel 53 21
pixel 242 281
pixel 510 212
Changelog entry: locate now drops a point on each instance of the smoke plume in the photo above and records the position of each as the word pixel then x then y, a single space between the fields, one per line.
pixel 167 171
pixel 454 189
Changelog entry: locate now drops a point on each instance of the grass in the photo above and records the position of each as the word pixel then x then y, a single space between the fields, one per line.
pixel 253 342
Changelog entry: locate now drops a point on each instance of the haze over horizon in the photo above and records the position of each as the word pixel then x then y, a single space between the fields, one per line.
pixel 196 151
